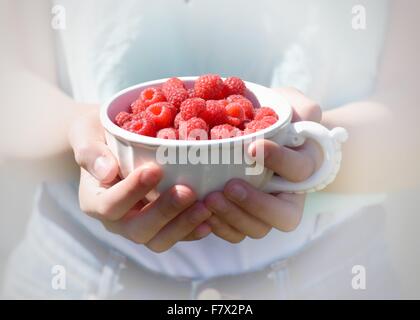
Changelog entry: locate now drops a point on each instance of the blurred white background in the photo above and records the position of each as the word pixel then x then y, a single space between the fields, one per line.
pixel 18 182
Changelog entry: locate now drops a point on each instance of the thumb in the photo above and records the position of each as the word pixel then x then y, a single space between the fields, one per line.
pixel 97 159
pixel 86 137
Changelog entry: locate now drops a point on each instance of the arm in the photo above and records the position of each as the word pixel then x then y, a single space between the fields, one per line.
pixel 36 114
pixel 383 151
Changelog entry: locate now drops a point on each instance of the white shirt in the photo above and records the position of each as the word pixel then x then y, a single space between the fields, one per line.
pixel 108 45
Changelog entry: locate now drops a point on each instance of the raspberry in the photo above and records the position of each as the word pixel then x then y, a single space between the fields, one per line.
pixel 168 133
pixel 141 126
pixel 245 103
pixel 235 113
pixel 191 93
pixel 233 85
pixel 176 96
pixel 193 129
pixel 209 86
pixel 137 116
pixel 171 84
pixel 174 91
pixel 161 114
pixel 152 95
pixel 172 107
pixel 177 120
pixel 235 97
pixel 192 107
pixel 263 112
pixel 126 125
pixel 215 113
pixel 269 119
pixel 256 125
pixel 224 131
pixel 138 106
pixel 122 117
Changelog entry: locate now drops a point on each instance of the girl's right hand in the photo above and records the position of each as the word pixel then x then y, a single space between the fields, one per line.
pixel 120 204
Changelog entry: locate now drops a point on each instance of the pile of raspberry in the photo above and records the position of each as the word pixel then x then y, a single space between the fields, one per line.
pixel 212 109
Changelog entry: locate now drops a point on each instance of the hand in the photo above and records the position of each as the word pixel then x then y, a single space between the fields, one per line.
pixel 242 210
pixel 120 204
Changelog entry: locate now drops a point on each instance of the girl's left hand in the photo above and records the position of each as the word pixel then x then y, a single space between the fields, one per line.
pixel 241 210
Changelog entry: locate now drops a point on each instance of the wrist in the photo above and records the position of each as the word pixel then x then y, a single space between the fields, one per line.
pixel 81 109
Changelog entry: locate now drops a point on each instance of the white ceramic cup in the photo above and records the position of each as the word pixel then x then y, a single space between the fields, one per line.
pixel 132 150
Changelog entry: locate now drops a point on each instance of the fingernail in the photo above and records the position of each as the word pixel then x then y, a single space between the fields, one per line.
pixel 101 168
pixel 237 192
pixel 149 176
pixel 252 148
pixel 199 214
pixel 219 204
pixel 214 221
pixel 202 230
pixel 182 197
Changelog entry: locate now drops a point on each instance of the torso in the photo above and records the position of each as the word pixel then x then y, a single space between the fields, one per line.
pixel 109 45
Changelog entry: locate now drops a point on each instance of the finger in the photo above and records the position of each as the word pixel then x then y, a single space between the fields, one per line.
pixel 292 164
pixel 179 227
pixel 303 107
pixel 113 203
pixel 90 151
pixel 282 212
pixel 200 232
pixel 224 231
pixel 154 216
pixel 230 213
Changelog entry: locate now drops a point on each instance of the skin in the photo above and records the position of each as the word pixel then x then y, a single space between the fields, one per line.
pixel 120 205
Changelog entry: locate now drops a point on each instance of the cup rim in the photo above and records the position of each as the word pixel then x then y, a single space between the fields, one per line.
pixel 132 137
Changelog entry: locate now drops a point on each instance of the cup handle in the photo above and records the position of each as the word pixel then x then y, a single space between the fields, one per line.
pixel 330 142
